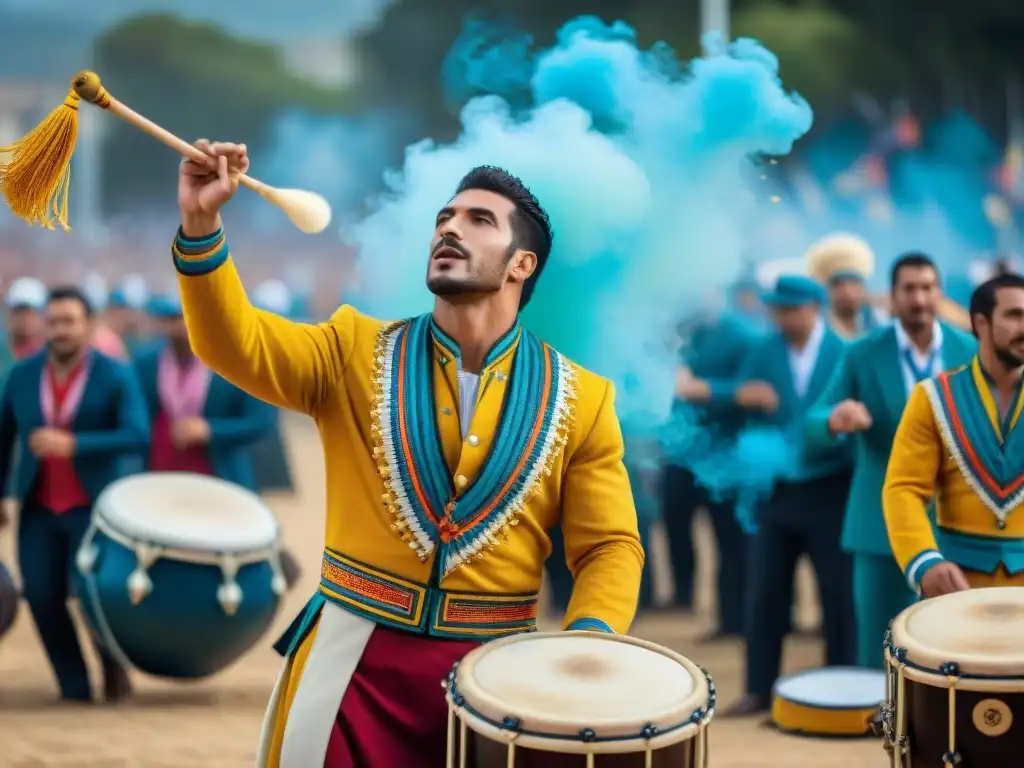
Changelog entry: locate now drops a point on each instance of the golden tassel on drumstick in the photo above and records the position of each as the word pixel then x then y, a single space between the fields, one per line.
pixel 35 179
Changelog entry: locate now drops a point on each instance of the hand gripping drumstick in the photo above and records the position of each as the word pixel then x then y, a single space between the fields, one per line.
pixel 35 180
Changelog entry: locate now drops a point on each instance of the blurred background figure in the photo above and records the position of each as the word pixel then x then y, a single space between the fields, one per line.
pixel 25 303
pixel 125 313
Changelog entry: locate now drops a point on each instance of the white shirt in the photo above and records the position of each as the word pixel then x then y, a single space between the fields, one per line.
pixel 920 360
pixel 802 361
pixel 469 386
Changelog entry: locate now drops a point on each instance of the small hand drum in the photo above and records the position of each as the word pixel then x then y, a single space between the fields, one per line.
pixel 956 681
pixel 586 699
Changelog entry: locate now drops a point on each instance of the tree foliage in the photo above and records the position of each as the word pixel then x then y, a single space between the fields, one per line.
pixel 936 54
pixel 194 80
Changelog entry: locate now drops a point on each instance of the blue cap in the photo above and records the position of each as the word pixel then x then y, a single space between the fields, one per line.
pixel 164 305
pixel 795 291
pixel 117 300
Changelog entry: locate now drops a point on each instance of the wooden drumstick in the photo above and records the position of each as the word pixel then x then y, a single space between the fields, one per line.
pixel 35 180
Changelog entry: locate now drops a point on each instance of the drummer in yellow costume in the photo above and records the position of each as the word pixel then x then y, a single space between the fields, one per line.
pixel 453 443
pixel 961 442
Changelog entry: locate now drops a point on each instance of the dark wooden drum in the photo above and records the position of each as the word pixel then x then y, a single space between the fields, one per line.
pixel 8 600
pixel 578 700
pixel 955 692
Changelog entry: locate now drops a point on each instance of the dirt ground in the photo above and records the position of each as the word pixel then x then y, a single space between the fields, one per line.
pixel 216 723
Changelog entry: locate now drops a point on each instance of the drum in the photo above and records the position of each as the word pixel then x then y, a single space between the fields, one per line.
pixel 956 681
pixel 179 573
pixel 9 599
pixel 831 701
pixel 586 699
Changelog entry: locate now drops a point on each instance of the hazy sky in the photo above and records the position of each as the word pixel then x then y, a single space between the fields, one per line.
pixel 268 19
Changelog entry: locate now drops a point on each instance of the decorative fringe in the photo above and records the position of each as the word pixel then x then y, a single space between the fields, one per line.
pixel 36 178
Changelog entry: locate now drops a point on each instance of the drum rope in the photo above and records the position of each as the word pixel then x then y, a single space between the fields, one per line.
pixel 102 627
pixel 902 749
pixel 462 744
pixel 952 671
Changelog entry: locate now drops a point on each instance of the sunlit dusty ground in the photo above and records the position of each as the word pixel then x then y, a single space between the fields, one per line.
pixel 216 723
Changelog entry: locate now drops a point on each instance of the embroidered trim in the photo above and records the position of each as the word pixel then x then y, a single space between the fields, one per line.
pixel 407 523
pixel 589 624
pixel 919 565
pixel 458 615
pixel 382 595
pixel 532 431
pixel 393 601
pixel 948 422
pixel 489 528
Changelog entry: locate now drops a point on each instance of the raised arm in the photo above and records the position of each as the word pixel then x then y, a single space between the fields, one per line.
pixel 602 543
pixel 292 365
pixel 910 484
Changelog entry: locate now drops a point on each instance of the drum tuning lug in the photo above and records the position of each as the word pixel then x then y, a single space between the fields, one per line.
pixel 230 597
pixel 139 586
pixel 86 558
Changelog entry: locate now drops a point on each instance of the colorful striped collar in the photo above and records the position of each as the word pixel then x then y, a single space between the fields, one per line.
pixel 1001 425
pixel 505 344
pixel 988 451
pixel 430 512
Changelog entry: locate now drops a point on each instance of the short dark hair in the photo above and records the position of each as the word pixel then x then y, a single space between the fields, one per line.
pixel 531 227
pixel 911 260
pixel 983 300
pixel 70 293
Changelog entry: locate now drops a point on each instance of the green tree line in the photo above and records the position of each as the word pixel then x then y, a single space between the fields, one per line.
pixel 197 80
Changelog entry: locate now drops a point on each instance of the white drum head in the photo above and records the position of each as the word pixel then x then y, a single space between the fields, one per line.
pixel 180 510
pixel 834 688
pixel 556 685
pixel 980 630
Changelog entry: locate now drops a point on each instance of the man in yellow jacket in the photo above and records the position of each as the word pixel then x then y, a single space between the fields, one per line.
pixel 961 443
pixel 453 442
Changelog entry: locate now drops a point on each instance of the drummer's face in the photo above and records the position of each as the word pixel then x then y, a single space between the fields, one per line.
pixel 1007 326
pixel 68 327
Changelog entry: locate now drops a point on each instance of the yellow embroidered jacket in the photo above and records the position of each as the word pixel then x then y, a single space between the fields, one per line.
pixel 426 531
pixel 951 445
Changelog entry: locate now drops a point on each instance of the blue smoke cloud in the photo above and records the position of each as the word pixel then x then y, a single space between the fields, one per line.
pixel 643 165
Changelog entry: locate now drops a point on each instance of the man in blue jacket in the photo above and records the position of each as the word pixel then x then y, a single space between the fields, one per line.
pixel 783 374
pixel 75 415
pixel 199 422
pixel 716 353
pixel 863 404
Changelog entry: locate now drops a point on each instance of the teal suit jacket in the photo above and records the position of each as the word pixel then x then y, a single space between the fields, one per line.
pixel 871 373
pixel 110 426
pixel 768 360
pixel 236 419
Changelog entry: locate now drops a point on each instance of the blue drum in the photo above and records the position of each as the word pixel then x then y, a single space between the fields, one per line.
pixel 179 574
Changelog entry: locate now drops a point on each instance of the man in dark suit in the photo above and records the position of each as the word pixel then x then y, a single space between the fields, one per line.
pixel 75 415
pixel 782 375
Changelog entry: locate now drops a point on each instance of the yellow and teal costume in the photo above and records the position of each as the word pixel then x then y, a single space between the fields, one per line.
pixel 431 528
pixel 952 445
